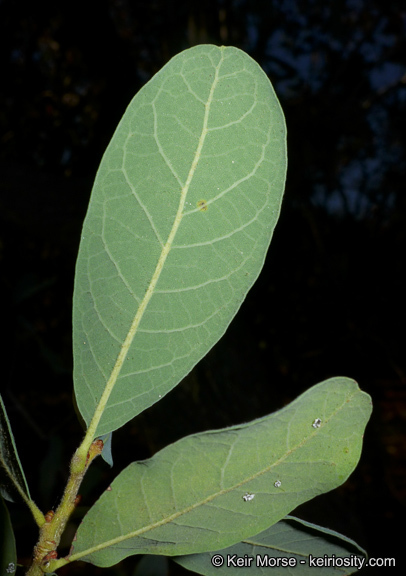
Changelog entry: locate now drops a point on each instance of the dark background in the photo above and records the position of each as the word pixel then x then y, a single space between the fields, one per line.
pixel 330 300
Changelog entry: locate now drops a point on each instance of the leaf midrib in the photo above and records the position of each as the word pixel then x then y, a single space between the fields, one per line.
pixel 91 432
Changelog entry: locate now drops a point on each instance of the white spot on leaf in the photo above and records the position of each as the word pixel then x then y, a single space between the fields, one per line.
pixel 316 423
pixel 248 497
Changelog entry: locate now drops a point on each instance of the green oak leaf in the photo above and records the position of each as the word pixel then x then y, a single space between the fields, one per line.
pixel 181 215
pixel 214 489
pixel 13 485
pixel 291 541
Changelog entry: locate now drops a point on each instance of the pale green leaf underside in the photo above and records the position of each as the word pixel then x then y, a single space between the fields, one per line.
pixel 189 497
pixel 181 215
pixel 289 538
pixel 13 485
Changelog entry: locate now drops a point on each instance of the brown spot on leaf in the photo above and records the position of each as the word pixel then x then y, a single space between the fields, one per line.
pixel 202 205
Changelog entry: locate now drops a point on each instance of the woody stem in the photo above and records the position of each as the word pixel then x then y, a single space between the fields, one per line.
pixel 52 530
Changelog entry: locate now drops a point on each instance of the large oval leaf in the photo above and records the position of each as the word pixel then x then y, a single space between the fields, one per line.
pixel 214 489
pixel 181 215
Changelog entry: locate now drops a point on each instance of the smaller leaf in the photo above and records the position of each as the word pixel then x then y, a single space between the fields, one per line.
pixel 214 489
pixel 13 484
pixel 291 542
pixel 8 554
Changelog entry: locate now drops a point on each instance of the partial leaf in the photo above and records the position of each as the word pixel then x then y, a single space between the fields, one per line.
pixel 107 453
pixel 152 566
pixel 292 546
pixel 211 490
pixel 8 553
pixel 13 485
pixel 180 218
